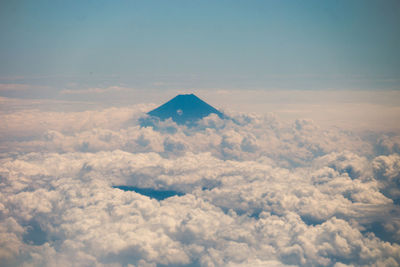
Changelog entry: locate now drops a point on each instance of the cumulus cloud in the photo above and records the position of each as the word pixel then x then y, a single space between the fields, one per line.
pixel 387 171
pixel 254 191
pixel 31 124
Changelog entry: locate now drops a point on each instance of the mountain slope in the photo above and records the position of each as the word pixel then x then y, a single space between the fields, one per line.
pixel 184 109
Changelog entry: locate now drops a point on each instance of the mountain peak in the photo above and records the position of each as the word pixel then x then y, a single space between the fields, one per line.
pixel 184 109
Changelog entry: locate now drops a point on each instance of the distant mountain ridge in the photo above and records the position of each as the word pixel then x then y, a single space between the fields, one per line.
pixel 184 109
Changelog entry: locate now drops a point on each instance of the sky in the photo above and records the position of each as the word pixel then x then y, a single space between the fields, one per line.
pixel 335 62
pixel 202 44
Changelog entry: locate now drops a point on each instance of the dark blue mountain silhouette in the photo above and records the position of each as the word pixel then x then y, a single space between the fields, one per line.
pixel 185 109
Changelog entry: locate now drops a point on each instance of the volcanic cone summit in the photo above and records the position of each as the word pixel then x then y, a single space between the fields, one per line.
pixel 184 109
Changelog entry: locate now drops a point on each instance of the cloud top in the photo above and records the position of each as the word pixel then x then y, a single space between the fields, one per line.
pixel 256 192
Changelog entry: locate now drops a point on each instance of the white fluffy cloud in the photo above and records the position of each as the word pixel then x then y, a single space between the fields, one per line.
pixel 387 171
pixel 257 192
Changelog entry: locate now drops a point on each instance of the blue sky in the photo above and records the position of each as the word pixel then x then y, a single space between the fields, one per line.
pixel 202 44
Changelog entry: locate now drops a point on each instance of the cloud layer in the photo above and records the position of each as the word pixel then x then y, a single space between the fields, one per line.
pixel 257 192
